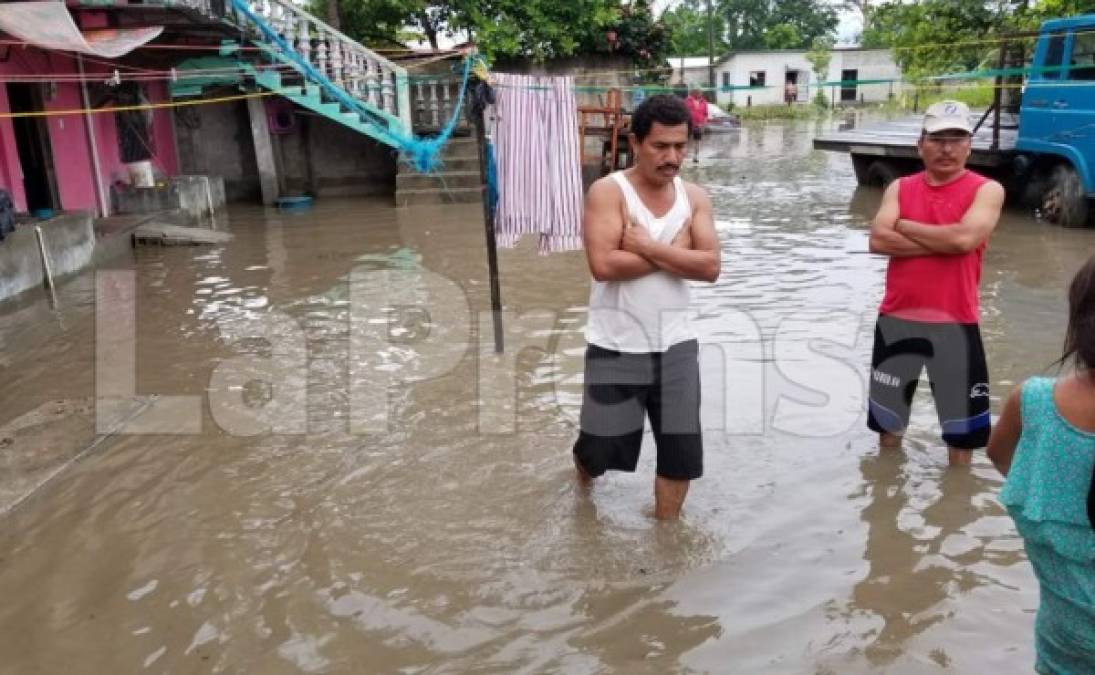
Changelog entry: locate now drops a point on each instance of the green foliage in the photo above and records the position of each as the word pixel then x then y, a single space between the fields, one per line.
pixel 977 95
pixel 1029 16
pixel 938 37
pixel 687 26
pixel 537 29
pixel 820 99
pixel 643 39
pixel 819 56
pixel 376 23
pixel 778 112
pixel 782 36
pixel 932 37
pixel 541 29
pixel 748 22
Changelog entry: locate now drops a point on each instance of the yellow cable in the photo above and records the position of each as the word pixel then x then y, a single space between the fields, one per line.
pixel 148 106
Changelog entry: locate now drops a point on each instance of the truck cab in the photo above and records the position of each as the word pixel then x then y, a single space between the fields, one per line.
pixel 1056 139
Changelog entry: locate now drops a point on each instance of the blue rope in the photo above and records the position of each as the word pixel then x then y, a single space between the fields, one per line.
pixel 421 153
pixel 492 178
pixel 424 153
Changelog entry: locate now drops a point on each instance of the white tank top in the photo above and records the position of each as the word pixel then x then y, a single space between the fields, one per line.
pixel 650 313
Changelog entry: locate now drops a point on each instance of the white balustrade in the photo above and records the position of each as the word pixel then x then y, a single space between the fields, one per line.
pixel 362 73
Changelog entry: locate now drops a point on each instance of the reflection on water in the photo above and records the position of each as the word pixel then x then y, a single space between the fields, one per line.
pixel 917 556
pixel 397 525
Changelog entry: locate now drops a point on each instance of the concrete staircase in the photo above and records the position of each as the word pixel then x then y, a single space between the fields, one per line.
pixel 458 182
pixel 326 71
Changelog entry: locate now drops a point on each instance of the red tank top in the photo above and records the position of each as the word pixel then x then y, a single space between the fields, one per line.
pixel 935 288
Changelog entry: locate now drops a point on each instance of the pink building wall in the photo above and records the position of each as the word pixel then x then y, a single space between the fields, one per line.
pixel 11 176
pixel 68 134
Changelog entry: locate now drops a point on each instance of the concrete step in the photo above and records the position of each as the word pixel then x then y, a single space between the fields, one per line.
pixel 458 164
pixel 433 196
pixel 460 146
pixel 409 180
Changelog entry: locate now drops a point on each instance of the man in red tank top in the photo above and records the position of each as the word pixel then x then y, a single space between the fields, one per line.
pixel 934 226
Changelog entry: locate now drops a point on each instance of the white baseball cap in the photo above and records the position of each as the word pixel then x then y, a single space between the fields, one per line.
pixel 946 115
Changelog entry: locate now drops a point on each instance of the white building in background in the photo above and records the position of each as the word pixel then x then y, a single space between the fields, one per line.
pixel 772 69
pixel 692 70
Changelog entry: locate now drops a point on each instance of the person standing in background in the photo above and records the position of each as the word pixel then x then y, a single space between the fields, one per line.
pixel 934 226
pixel 697 107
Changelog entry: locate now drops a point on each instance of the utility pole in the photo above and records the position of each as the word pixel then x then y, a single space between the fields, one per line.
pixel 711 52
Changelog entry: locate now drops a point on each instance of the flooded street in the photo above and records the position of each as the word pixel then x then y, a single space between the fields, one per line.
pixel 313 524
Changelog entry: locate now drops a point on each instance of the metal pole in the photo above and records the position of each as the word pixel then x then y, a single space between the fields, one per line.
pixel 100 191
pixel 492 243
pixel 997 95
pixel 711 51
pixel 209 202
pixel 46 269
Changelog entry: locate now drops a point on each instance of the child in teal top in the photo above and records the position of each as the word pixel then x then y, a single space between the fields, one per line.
pixel 1044 443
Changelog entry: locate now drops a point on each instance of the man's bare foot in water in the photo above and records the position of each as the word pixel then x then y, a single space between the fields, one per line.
pixel 584 479
pixel 889 441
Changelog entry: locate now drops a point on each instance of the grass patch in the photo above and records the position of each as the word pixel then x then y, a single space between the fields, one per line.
pixel 977 95
pixel 779 112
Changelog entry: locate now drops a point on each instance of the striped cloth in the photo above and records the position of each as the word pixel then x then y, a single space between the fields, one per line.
pixel 535 133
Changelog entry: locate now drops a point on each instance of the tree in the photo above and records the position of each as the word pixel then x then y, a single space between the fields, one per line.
pixel 782 36
pixel 933 37
pixel 748 22
pixel 332 14
pixel 819 56
pixel 1027 15
pixel 937 37
pixel 537 29
pixel 542 29
pixel 687 26
pixel 643 39
pixel 379 23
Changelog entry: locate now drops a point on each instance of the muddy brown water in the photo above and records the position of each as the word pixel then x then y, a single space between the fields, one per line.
pixel 422 532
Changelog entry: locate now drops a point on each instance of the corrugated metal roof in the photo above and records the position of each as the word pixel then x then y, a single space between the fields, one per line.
pixel 689 61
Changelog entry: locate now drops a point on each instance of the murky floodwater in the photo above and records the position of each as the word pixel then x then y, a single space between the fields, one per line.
pixel 418 532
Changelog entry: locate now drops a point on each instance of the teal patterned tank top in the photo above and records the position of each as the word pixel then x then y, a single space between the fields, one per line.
pixel 1046 494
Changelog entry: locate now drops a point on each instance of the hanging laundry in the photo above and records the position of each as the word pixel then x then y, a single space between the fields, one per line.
pixel 535 136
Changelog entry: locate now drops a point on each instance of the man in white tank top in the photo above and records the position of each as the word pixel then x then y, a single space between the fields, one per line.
pixel 647 233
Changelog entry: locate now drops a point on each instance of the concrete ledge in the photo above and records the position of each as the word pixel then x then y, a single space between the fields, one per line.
pixel 186 194
pixel 70 244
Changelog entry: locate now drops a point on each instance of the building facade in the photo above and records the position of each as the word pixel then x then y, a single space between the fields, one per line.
pixel 69 160
pixel 760 77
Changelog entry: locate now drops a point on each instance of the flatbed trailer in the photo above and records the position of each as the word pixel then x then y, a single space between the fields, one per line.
pixel 1040 143
pixel 886 149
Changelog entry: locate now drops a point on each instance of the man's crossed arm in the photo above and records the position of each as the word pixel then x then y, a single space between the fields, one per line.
pixel 898 237
pixel 620 250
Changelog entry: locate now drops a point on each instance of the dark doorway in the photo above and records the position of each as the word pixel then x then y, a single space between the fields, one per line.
pixel 32 142
pixel 848 87
pixel 791 90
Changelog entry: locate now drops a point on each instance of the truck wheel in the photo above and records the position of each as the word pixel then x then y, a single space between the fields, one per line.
pixel 882 173
pixel 1063 202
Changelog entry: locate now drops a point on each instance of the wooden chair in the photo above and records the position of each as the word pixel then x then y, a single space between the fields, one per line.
pixel 604 121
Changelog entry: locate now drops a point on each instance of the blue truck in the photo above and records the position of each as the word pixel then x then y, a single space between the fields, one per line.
pixel 1042 150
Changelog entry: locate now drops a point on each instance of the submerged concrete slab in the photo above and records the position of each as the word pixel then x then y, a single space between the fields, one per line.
pixel 69 242
pixel 164 234
pixel 38 445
